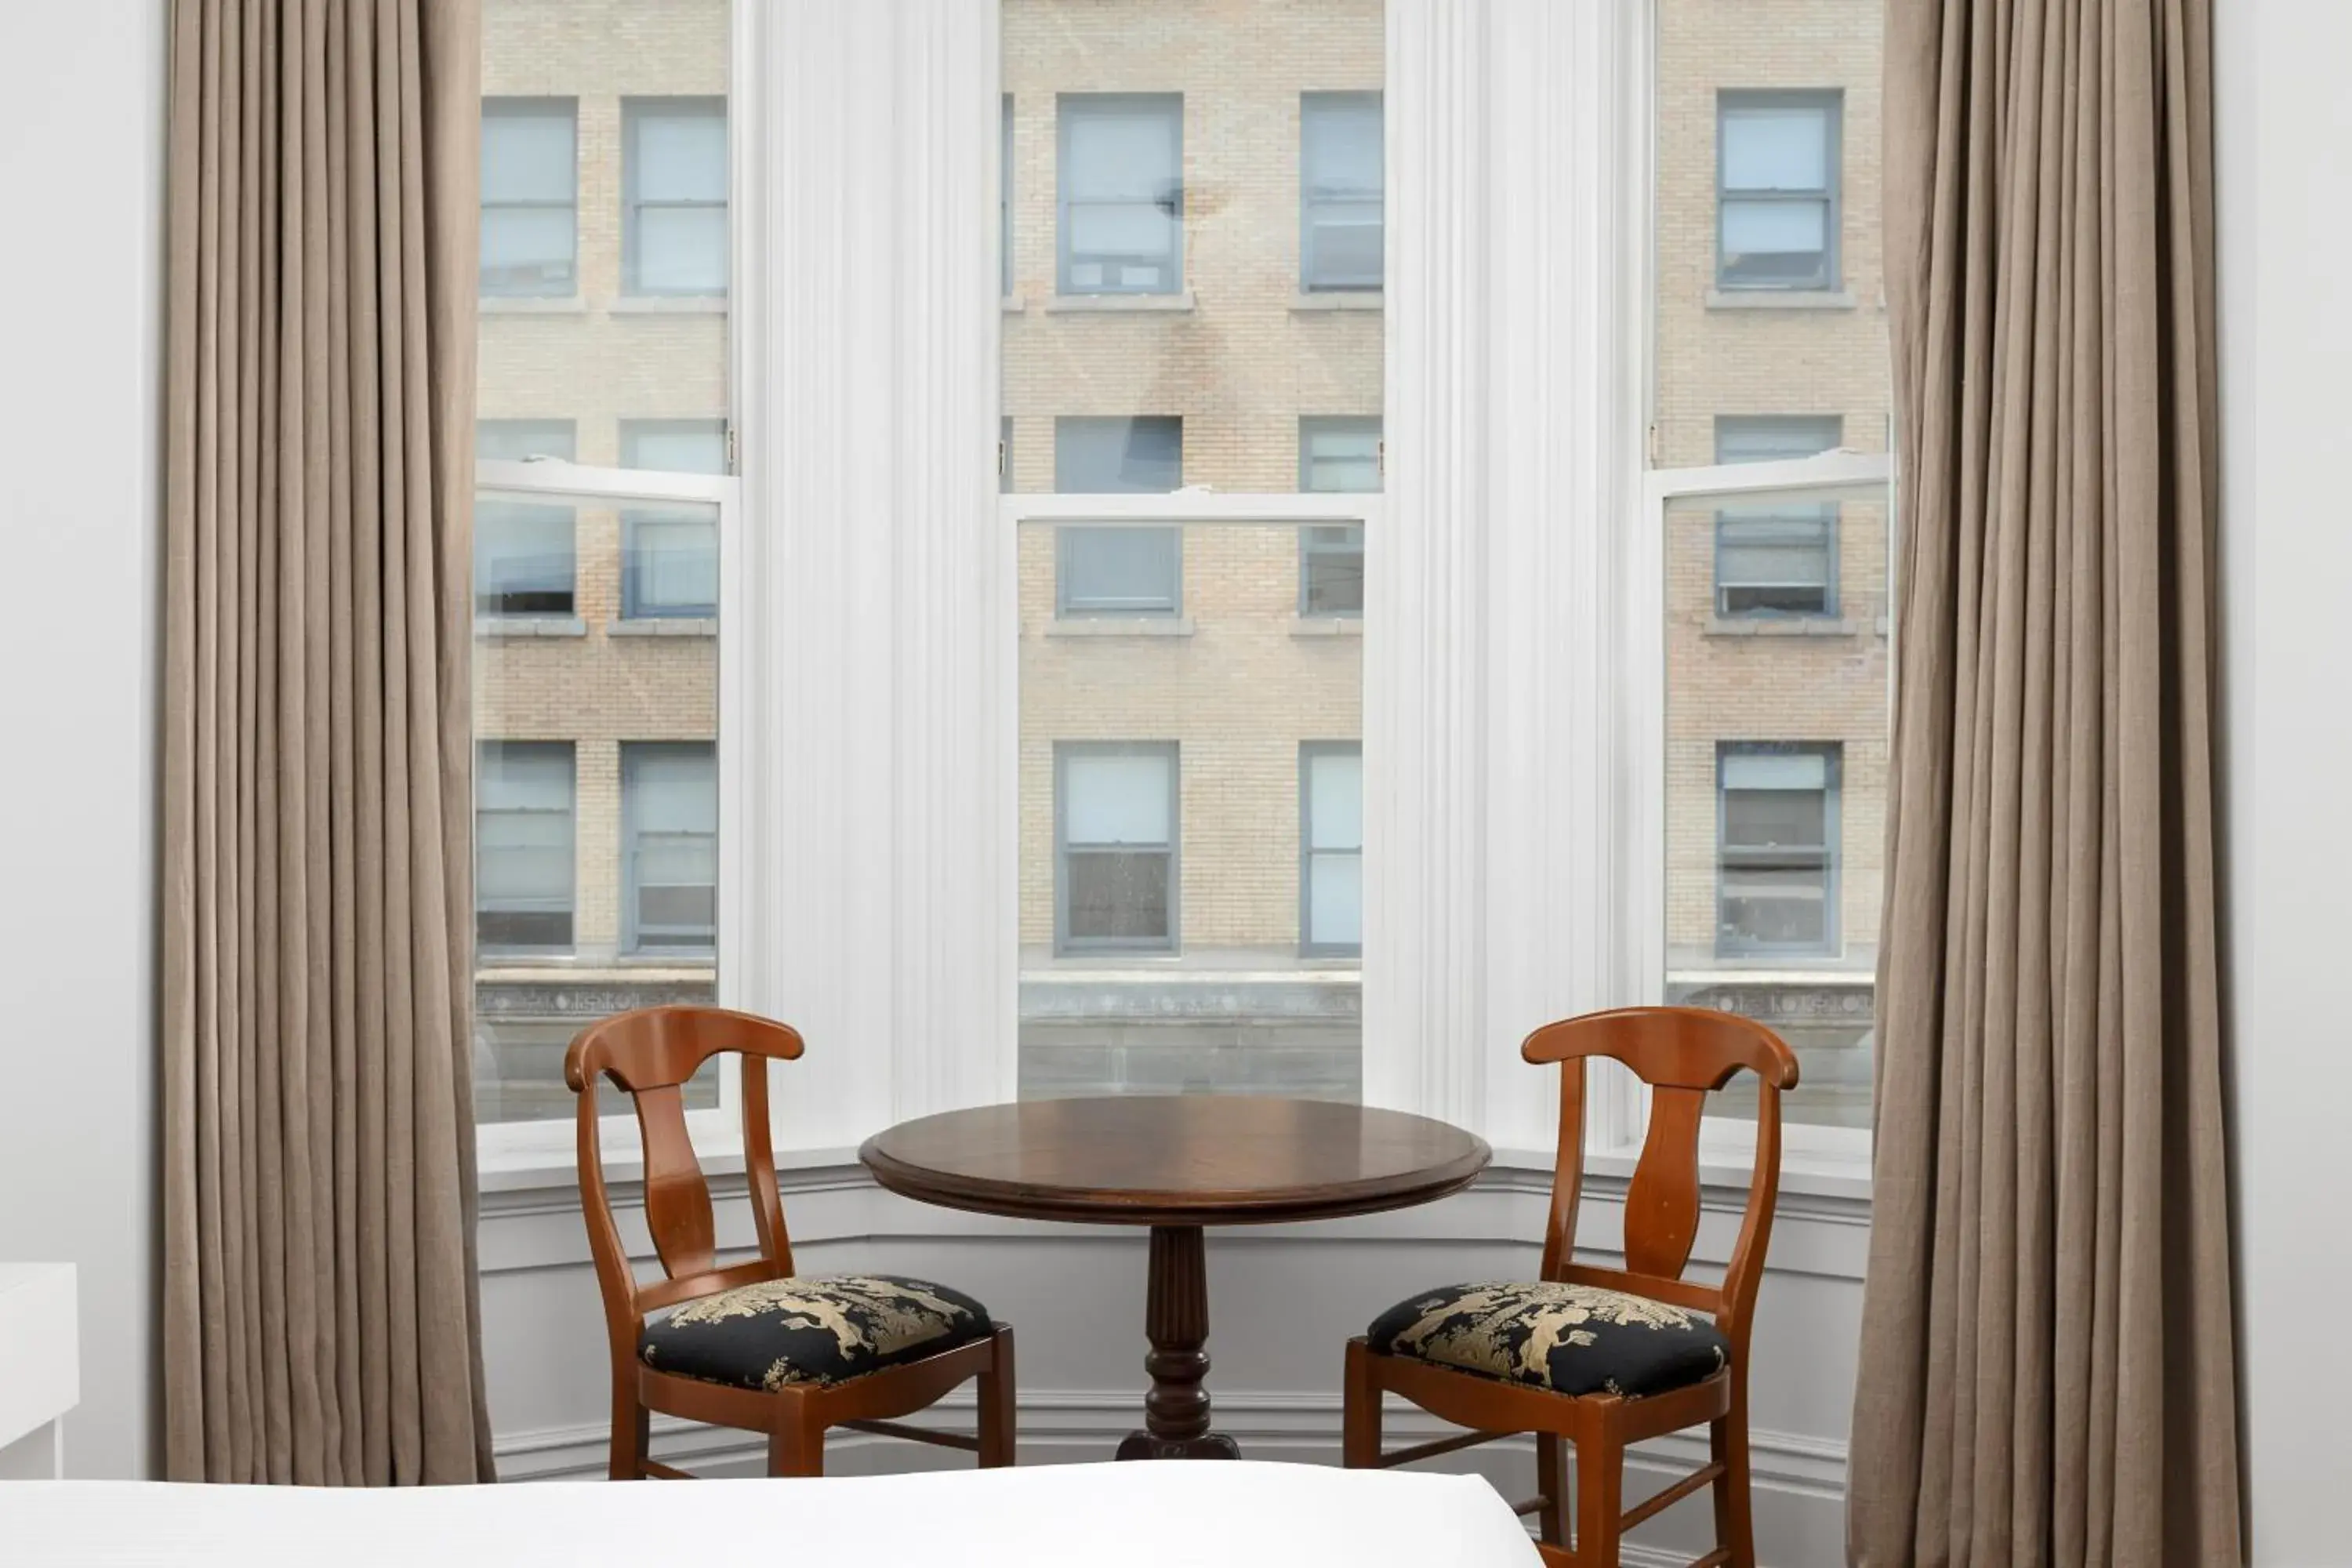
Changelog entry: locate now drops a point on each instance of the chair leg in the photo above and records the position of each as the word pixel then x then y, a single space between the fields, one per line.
pixel 796 1446
pixel 1735 1527
pixel 998 1423
pixel 632 1429
pixel 1600 1489
pixel 1359 1442
pixel 1552 1518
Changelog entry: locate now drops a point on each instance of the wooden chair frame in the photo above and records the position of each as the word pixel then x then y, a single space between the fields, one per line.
pixel 1683 1053
pixel 650 1053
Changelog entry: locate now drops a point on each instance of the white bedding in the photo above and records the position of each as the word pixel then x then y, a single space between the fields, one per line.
pixel 1053 1516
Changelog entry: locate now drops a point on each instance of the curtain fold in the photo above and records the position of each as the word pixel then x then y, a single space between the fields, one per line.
pixel 2047 1371
pixel 322 1319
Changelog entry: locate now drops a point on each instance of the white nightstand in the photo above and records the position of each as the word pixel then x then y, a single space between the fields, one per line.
pixel 40 1368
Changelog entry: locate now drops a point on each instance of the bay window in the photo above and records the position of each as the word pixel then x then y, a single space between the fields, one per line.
pixel 1134 672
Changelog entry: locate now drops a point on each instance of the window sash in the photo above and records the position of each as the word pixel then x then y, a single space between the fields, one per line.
pixel 1331 850
pixel 1776 897
pixel 1342 217
pixel 530 238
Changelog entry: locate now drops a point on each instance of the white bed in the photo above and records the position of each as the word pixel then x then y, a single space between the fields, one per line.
pixel 1058 1516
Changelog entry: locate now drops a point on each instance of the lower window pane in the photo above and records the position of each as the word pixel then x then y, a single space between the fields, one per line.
pixel 595 810
pixel 1190 830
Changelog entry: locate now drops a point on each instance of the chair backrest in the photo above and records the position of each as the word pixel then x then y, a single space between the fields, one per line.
pixel 1683 1053
pixel 649 1054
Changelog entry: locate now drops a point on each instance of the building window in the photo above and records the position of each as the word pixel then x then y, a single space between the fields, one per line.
pixel 1335 455
pixel 674 195
pixel 1339 190
pixel 1331 847
pixel 1777 823
pixel 530 196
pixel 523 549
pixel 1122 195
pixel 522 846
pixel 1777 190
pixel 1115 842
pixel 669 810
pixel 669 559
pixel 1119 571
pixel 1775 558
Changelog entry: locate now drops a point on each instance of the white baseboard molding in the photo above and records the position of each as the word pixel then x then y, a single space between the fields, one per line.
pixel 1799 1480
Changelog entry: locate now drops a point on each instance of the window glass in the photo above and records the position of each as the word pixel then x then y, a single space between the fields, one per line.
pixel 522 552
pixel 1123 192
pixel 1335 455
pixel 595 620
pixel 1780 178
pixel 1119 571
pixel 1770 345
pixel 671 807
pixel 1333 834
pixel 1118 882
pixel 1193 237
pixel 530 196
pixel 1340 190
pixel 677 178
pixel 522 846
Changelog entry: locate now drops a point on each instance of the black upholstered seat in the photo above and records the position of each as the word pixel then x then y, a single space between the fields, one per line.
pixel 1570 1338
pixel 810 1331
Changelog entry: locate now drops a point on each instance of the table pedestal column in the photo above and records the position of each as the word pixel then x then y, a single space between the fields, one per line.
pixel 1176 1321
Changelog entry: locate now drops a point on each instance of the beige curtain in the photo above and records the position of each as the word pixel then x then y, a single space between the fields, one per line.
pixel 2046 1358
pixel 321 1317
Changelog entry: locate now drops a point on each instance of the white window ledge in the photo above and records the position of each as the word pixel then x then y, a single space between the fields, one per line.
pixel 533 305
pixel 530 627
pixel 1117 304
pixel 1120 627
pixel 1327 626
pixel 520 1180
pixel 1338 299
pixel 1781 626
pixel 668 305
pixel 1779 299
pixel 663 626
pixel 1014 304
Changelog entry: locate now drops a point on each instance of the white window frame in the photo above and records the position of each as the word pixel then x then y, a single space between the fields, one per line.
pixel 507 1148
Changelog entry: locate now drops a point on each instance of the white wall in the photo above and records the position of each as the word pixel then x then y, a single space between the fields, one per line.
pixel 2284 187
pixel 81 144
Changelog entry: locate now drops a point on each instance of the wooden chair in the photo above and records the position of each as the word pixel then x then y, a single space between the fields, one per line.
pixel 1603 1358
pixel 751 1345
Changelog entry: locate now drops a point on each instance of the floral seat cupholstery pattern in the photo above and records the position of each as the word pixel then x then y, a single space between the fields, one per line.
pixel 1570 1338
pixel 828 1330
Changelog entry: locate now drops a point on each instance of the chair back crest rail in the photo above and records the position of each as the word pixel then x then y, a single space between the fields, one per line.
pixel 1683 1053
pixel 649 1055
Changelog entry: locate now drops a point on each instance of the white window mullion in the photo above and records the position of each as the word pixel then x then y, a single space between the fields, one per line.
pixel 881 853
pixel 1508 693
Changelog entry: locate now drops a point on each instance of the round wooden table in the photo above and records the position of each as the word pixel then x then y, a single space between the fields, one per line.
pixel 1177 1163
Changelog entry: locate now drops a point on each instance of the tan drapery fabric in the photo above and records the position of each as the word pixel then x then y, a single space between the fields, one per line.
pixel 2046 1358
pixel 320 1315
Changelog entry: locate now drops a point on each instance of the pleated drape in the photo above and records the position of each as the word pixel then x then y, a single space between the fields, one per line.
pixel 320 1315
pixel 2046 1361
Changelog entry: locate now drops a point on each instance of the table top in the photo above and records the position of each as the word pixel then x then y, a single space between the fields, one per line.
pixel 1175 1159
